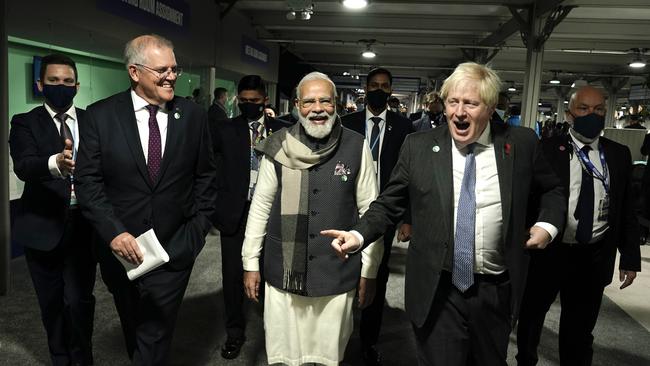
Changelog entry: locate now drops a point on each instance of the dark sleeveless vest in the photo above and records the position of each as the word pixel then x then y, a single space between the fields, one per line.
pixel 332 205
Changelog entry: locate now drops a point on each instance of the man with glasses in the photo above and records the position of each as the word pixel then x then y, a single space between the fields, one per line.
pixel 385 132
pixel 234 143
pixel 434 115
pixel 49 224
pixel 314 174
pixel 145 162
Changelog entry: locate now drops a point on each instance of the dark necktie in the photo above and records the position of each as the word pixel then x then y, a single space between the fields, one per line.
pixel 155 146
pixel 255 135
pixel 462 275
pixel 584 212
pixel 374 138
pixel 66 134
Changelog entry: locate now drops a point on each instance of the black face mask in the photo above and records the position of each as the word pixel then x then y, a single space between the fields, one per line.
pixel 377 99
pixel 589 126
pixel 59 96
pixel 251 111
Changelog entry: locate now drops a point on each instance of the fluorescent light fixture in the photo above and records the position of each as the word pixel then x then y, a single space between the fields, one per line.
pixel 512 89
pixel 637 63
pixel 305 15
pixel 346 73
pixel 566 102
pixel 555 80
pixel 368 53
pixel 291 15
pixel 355 4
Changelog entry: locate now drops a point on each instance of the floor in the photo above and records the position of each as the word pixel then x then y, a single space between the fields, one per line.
pixel 622 335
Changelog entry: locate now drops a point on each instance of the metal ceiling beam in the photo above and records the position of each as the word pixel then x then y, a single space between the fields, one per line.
pixel 512 26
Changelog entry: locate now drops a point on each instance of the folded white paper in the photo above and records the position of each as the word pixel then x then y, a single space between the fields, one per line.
pixel 154 256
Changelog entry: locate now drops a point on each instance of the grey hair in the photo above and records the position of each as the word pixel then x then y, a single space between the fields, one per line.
pixel 315 76
pixel 134 51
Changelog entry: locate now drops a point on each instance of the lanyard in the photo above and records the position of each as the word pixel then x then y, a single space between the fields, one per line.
pixel 376 141
pixel 588 166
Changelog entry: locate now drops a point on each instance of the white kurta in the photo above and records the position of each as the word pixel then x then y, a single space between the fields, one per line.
pixel 303 329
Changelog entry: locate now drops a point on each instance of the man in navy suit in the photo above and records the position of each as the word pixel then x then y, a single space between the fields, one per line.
pixel 146 162
pixel 234 142
pixel 49 225
pixel 596 174
pixel 385 132
pixel 468 186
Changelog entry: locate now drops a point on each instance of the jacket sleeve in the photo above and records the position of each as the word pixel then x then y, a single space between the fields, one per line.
pixel 628 240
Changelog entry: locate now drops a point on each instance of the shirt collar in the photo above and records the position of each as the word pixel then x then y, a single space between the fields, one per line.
pixel 260 120
pixel 381 115
pixel 71 112
pixel 140 103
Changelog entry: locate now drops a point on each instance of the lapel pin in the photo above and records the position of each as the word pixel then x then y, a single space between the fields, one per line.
pixel 435 149
pixel 390 127
pixel 177 115
pixel 562 148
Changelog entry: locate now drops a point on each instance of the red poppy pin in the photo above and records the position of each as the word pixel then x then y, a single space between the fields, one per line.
pixel 562 148
pixel 506 149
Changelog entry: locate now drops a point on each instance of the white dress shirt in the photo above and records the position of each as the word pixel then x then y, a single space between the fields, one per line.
pixel 382 129
pixel 71 121
pixel 575 181
pixel 142 118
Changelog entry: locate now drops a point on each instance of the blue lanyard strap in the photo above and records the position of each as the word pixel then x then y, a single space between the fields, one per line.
pixel 588 166
pixel 376 141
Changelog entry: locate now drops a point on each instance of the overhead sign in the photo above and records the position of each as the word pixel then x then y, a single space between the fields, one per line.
pixel 254 52
pixel 154 13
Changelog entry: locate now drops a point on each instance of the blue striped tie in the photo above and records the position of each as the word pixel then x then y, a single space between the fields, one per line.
pixel 462 275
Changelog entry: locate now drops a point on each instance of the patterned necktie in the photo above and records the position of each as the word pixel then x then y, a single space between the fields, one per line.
pixel 255 134
pixel 374 138
pixel 463 271
pixel 584 212
pixel 66 134
pixel 155 146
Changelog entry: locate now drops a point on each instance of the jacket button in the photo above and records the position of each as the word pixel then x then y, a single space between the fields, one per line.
pixel 311 236
pixel 311 257
pixel 316 190
pixel 314 213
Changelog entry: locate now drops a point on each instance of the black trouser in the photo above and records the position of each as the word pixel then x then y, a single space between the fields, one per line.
pixel 371 316
pixel 569 270
pixel 470 328
pixel 147 307
pixel 232 273
pixel 64 279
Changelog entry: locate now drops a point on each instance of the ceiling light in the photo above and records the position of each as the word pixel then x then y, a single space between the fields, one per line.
pixel 637 63
pixel 512 88
pixel 345 73
pixel 305 15
pixel 579 83
pixel 291 15
pixel 355 4
pixel 368 53
pixel 555 79
pixel 566 102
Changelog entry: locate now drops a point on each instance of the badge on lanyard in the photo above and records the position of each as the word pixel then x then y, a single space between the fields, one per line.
pixel 603 208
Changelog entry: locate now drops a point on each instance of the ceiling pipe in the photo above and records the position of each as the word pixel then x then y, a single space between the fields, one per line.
pixel 450 46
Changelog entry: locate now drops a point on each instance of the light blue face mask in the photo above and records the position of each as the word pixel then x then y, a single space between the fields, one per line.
pixel 501 113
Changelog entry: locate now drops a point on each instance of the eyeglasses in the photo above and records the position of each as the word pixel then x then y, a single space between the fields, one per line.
pixel 308 103
pixel 163 72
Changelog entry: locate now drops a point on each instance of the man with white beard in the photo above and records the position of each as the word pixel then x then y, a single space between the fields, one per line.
pixel 314 175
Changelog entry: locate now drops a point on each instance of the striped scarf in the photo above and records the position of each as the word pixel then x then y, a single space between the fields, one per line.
pixel 285 148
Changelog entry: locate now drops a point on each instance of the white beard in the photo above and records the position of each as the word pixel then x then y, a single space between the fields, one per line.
pixel 315 130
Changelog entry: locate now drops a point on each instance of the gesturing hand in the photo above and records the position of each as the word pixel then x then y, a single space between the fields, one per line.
pixel 344 242
pixel 64 160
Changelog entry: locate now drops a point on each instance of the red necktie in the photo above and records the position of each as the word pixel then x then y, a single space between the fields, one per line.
pixel 155 147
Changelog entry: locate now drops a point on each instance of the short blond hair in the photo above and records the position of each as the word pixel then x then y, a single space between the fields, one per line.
pixel 489 83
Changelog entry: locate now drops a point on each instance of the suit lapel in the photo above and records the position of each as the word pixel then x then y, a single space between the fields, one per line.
pixel 174 127
pixel 126 118
pixel 50 134
pixel 443 176
pixel 504 153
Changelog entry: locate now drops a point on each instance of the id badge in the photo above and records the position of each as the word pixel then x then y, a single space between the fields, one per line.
pixel 603 208
pixel 253 180
pixel 73 196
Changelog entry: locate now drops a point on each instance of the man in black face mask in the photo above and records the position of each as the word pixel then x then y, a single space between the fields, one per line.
pixel 600 219
pixel 385 132
pixel 234 141
pixel 50 227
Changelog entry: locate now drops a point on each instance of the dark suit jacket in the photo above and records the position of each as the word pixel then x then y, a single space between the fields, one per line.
pixel 216 113
pixel 623 232
pixel 424 177
pixel 397 127
pixel 415 116
pixel 33 139
pixel 113 184
pixel 231 147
